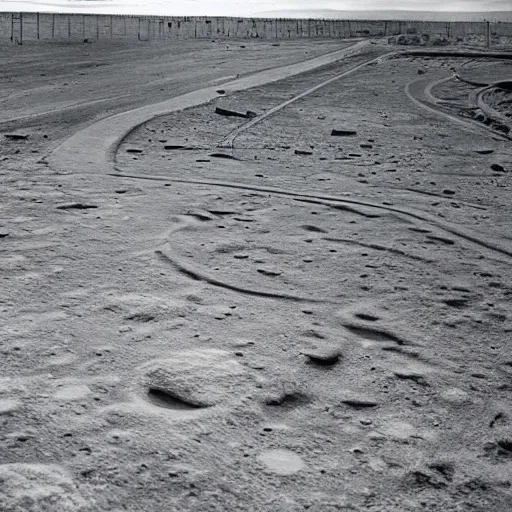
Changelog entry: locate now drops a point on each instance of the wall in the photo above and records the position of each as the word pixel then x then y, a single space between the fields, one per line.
pixel 21 27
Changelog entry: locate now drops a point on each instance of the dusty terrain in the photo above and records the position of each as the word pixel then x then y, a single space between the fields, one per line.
pixel 255 314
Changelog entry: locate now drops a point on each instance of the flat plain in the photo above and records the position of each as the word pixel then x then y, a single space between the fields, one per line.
pixel 305 306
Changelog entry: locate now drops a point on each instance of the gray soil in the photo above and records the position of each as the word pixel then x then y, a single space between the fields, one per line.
pixel 255 314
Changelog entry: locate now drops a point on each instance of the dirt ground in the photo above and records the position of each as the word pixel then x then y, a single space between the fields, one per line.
pixel 256 314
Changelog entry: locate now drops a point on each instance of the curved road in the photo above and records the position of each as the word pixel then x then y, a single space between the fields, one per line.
pixel 93 148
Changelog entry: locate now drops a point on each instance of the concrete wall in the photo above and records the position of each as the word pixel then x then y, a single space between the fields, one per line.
pixel 20 27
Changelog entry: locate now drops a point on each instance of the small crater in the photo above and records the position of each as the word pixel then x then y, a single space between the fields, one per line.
pixel 375 334
pixel 223 155
pixel 76 206
pixel 313 229
pixel 367 317
pixel 505 446
pixel 140 317
pixel 456 303
pixel 447 241
pixel 166 400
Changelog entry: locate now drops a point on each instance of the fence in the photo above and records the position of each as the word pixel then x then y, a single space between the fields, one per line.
pixel 21 27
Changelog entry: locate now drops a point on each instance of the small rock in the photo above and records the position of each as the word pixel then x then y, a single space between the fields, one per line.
pixel 359 402
pixel 269 272
pixel 324 356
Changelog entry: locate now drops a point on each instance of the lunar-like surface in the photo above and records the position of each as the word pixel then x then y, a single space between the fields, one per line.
pixel 295 294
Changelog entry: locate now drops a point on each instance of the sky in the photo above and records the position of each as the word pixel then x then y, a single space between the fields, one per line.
pixel 243 7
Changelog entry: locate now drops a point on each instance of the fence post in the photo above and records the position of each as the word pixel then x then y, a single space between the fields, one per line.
pixel 488 33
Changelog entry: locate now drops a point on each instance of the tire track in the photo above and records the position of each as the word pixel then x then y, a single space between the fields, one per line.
pixel 320 198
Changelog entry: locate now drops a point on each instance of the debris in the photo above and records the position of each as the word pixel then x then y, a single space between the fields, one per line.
pixel 234 113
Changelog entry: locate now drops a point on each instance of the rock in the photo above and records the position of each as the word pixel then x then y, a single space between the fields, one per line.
pixel 448 192
pixel 3 234
pixel 359 402
pixel 233 113
pixel 484 151
pixel 421 71
pixel 407 374
pixel 221 91
pixel 303 152
pixel 134 150
pixel 343 133
pixel 456 303
pixel 194 379
pixel 324 356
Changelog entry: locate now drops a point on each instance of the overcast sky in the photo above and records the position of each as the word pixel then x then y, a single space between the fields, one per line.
pixel 244 7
